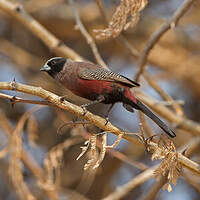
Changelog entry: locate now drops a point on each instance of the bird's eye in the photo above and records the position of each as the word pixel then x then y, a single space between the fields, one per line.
pixel 53 62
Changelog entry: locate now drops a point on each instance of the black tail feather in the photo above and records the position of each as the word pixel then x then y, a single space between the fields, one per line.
pixel 140 106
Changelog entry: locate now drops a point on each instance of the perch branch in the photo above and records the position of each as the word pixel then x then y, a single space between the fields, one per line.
pixel 55 100
pixel 94 119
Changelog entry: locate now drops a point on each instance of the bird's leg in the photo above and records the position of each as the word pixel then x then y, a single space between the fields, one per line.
pixel 99 100
pixel 107 113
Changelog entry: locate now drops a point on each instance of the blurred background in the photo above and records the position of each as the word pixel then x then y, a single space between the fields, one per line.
pixel 175 66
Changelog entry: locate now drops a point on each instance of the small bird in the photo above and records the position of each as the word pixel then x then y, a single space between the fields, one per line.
pixel 93 82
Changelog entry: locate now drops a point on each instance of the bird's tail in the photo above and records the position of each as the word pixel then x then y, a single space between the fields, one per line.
pixel 140 106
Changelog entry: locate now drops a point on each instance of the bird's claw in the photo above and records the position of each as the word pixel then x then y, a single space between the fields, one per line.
pixel 84 110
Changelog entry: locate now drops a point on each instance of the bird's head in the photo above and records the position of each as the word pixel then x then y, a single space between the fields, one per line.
pixel 54 65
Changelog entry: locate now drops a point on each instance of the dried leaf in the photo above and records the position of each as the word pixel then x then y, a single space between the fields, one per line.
pixel 53 161
pixel 167 187
pixel 102 153
pixel 126 15
pixel 93 156
pixel 170 167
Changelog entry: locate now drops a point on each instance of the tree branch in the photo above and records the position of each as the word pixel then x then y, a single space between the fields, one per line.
pixel 94 119
pixel 181 122
pixel 55 100
pixel 14 99
pixel 87 36
pixel 159 33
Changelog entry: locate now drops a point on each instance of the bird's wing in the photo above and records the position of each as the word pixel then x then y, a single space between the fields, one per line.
pixel 105 75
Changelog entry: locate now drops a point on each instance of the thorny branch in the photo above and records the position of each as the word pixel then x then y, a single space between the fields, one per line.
pixel 96 120
pixel 14 99
pixel 55 100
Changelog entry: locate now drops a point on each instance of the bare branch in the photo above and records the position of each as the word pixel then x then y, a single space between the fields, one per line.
pixel 154 189
pixel 123 190
pixel 14 99
pixel 165 96
pixel 87 36
pixel 159 33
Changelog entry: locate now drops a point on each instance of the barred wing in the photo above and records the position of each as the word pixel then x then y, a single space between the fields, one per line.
pixel 105 75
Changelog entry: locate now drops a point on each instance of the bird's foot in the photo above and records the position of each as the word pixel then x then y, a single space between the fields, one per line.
pixel 84 110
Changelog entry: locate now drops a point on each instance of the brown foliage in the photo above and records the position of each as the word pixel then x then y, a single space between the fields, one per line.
pixel 170 167
pixel 126 15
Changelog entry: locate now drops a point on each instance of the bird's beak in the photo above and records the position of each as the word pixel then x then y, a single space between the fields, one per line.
pixel 45 68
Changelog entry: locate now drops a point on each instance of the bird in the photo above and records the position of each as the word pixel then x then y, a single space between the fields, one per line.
pixel 100 85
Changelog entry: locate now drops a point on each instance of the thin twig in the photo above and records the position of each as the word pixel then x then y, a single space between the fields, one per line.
pixel 123 190
pixel 145 126
pixel 14 99
pixel 112 152
pixel 15 167
pixel 191 181
pixel 154 189
pixel 102 11
pixel 159 33
pixel 87 36
pixel 165 96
